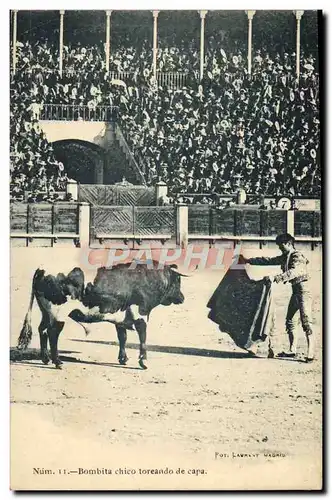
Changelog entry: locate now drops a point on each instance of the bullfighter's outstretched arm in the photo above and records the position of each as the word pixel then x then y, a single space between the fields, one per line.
pixel 265 261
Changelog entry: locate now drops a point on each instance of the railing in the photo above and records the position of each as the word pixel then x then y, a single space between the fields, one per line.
pixel 175 80
pixel 73 112
pixel 122 75
pixel 124 146
pixel 172 80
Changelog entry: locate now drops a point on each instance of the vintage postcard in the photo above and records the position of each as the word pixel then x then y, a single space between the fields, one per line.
pixel 166 250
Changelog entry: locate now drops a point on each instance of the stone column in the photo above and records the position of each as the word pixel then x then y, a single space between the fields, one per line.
pixel 72 189
pixel 84 224
pixel 182 225
pixel 161 191
pixel 290 222
pixel 108 37
pixel 241 196
pixel 14 40
pixel 155 37
pixel 250 14
pixel 62 13
pixel 202 13
pixel 298 15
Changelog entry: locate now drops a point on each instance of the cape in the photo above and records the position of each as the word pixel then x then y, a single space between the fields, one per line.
pixel 242 308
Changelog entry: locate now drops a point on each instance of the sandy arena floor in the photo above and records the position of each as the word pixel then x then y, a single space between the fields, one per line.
pixel 200 405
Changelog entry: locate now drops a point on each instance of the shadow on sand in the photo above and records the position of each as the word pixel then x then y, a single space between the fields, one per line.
pixel 69 359
pixel 22 357
pixel 188 351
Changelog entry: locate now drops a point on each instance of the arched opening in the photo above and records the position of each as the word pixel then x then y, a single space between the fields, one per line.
pixel 83 161
pixel 88 163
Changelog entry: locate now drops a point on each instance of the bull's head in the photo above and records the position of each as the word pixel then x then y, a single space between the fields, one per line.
pixel 173 294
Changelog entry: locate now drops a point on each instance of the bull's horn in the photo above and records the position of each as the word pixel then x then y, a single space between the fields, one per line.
pixel 174 268
pixel 184 275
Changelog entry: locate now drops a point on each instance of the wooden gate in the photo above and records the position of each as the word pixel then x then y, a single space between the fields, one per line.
pixel 131 224
pixel 99 194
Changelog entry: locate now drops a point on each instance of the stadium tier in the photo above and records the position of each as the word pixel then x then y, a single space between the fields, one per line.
pixel 230 129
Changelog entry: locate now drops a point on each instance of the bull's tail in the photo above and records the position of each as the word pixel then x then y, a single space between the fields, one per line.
pixel 26 332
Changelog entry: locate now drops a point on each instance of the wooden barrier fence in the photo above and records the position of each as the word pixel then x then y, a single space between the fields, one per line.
pixel 79 224
pixel 46 224
pixel 205 222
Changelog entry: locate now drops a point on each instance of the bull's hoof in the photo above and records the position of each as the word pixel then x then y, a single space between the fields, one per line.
pixel 58 367
pixel 142 365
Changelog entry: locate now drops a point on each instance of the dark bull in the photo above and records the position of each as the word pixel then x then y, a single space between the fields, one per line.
pixel 123 295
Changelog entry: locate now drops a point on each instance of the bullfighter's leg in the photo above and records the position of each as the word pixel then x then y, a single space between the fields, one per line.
pixel 122 336
pixel 43 336
pixel 53 334
pixel 140 326
pixel 304 300
pixel 272 333
pixel 293 307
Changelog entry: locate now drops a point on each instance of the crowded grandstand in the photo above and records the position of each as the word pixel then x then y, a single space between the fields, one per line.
pixel 228 129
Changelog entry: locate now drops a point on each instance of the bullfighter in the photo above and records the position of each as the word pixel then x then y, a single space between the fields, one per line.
pixel 294 266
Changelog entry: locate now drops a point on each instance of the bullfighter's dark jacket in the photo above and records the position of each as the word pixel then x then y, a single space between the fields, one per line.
pixel 293 266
